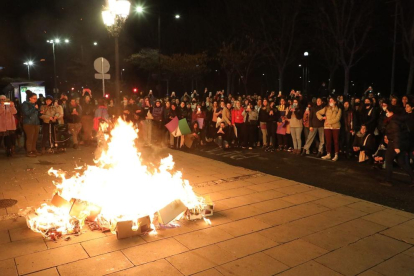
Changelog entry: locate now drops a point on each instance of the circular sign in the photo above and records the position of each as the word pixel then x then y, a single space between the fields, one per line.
pixel 101 65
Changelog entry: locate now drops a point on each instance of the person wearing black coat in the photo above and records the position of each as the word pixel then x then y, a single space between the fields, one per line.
pixel 315 127
pixel 364 142
pixel 398 146
pixel 349 122
pixel 368 116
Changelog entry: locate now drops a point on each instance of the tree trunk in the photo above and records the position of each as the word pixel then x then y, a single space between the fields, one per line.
pixel 346 84
pixel 233 78
pixel 229 75
pixel 410 78
pixel 281 73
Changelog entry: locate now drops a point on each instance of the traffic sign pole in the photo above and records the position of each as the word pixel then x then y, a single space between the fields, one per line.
pixel 103 77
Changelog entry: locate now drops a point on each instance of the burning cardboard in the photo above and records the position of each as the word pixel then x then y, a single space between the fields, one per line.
pixel 171 211
pixel 126 229
pixel 60 202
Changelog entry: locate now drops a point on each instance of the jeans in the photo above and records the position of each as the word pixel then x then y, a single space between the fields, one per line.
pixel 221 142
pixel 296 133
pixel 271 132
pixel 332 134
pixel 311 137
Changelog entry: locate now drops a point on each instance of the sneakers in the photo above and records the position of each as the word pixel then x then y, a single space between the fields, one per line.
pixel 319 155
pixel 304 152
pixel 250 148
pixel 290 149
pixel 327 157
pixel 335 157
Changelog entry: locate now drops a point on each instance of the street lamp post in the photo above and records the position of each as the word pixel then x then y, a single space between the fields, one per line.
pixel 53 42
pixel 28 64
pixel 306 54
pixel 114 16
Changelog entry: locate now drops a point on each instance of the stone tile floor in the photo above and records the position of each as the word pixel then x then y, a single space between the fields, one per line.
pixel 263 225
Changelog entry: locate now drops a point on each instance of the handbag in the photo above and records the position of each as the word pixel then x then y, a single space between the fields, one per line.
pixel 362 156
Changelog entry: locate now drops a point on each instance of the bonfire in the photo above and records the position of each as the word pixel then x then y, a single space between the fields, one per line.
pixel 117 193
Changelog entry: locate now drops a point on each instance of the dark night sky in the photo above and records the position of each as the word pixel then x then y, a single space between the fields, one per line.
pixel 26 25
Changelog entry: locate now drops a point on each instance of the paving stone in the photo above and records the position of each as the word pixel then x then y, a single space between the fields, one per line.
pixel 295 189
pixel 241 212
pixel 4 236
pixel 203 237
pixel 243 227
pixel 266 195
pixel 386 217
pixel 230 203
pixel 201 259
pixel 310 269
pixel 320 193
pixel 8 268
pixel 401 265
pixel 370 273
pixel 343 234
pixel 19 222
pixel 109 244
pixel 286 232
pixel 333 202
pixel 18 234
pixel 99 265
pixel 403 232
pixel 46 272
pixel 85 236
pixel 19 248
pixel 258 264
pixel 344 214
pixel 153 251
pixel 157 268
pixel 299 198
pixel 237 192
pixel 366 207
pixel 362 255
pixel 295 253
pixel 246 245
pixel 279 217
pixel 263 187
pixel 272 205
pixel 50 258
pixel 263 179
pixel 209 272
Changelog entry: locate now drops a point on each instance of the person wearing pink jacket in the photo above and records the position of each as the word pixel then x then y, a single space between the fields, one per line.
pixel 7 122
pixel 237 120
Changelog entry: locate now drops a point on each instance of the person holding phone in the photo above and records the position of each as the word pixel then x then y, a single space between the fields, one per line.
pixel 31 123
pixel 7 123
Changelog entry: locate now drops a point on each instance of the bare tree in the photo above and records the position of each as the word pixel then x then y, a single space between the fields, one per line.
pixel 347 23
pixel 406 22
pixel 278 27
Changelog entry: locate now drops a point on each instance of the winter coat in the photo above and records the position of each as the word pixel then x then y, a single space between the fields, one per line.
pixel 368 117
pixel 313 119
pixel 30 114
pixel 73 118
pixel 157 113
pixel 226 116
pixel 7 119
pixel 295 117
pixel 253 116
pixel 360 139
pixel 333 117
pixel 46 112
pixel 397 132
pixel 348 119
pixel 237 116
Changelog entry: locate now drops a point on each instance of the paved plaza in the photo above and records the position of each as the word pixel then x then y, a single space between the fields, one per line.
pixel 263 225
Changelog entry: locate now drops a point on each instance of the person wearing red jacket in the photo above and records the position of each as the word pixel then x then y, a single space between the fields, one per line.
pixel 237 120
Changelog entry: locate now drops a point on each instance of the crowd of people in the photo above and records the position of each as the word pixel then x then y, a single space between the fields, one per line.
pixel 375 130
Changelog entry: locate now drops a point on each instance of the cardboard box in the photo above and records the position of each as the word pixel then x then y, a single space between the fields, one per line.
pixel 125 229
pixel 60 202
pixel 94 211
pixel 78 208
pixel 171 211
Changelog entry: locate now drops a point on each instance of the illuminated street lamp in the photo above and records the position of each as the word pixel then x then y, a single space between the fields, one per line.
pixel 28 64
pixel 177 16
pixel 139 9
pixel 114 16
pixel 95 43
pixel 53 42
pixel 306 73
